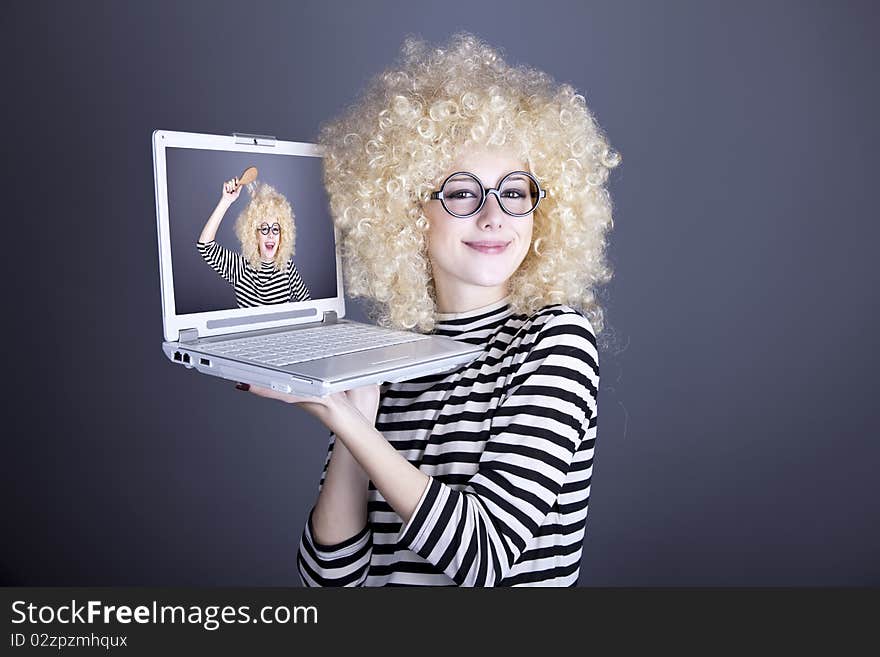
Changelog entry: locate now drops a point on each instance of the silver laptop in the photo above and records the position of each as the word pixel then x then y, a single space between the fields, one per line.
pixel 292 335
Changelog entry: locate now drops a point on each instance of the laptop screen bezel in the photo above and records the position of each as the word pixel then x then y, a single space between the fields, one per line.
pixel 233 320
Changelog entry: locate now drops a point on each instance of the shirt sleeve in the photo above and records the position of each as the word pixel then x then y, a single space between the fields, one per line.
pixel 342 564
pixel 226 263
pixel 475 535
pixel 298 289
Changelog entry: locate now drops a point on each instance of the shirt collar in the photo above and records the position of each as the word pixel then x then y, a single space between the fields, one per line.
pixel 473 325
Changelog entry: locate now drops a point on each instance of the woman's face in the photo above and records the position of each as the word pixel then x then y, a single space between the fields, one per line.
pixel 269 243
pixel 473 258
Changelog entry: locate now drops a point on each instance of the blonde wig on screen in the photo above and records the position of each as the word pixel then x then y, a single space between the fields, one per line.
pixel 266 205
pixel 388 152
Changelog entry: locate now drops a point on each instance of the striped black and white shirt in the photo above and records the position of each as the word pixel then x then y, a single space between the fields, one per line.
pixel 508 443
pixel 254 287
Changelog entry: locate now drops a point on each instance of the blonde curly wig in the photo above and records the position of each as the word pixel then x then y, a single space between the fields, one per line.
pixel 385 155
pixel 269 205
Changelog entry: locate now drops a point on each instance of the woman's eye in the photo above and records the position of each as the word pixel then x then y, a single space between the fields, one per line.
pixel 512 193
pixel 461 193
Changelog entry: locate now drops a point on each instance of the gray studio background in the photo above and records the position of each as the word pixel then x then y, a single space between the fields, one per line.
pixel 737 426
pixel 195 180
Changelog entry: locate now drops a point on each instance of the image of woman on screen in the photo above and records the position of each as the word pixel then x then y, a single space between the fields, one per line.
pixel 263 273
pixel 471 200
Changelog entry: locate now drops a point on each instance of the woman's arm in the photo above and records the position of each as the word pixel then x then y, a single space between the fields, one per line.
pixel 341 509
pixel 346 563
pixel 230 193
pixel 336 544
pixel 229 265
pixel 343 558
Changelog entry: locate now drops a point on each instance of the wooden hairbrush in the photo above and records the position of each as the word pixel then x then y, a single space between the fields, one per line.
pixel 249 175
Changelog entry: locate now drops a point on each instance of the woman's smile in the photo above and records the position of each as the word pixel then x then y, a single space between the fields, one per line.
pixel 489 247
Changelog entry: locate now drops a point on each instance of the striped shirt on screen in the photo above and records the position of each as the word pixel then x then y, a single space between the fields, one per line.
pixel 253 287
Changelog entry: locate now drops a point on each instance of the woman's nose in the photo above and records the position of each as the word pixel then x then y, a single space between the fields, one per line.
pixel 491 215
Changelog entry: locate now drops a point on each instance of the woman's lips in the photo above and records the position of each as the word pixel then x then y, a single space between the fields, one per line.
pixel 488 247
pixel 270 245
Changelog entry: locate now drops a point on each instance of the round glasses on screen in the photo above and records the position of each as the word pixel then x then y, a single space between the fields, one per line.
pixel 265 228
pixel 463 195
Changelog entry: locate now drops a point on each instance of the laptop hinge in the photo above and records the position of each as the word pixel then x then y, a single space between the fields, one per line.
pixel 330 317
pixel 254 140
pixel 188 335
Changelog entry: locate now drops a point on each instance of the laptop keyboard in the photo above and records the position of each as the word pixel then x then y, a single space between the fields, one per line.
pixel 309 344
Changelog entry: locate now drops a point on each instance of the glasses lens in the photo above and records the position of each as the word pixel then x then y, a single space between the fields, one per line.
pixel 462 194
pixel 264 228
pixel 276 229
pixel 519 194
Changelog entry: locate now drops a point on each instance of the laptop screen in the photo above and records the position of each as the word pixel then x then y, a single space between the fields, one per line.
pixel 273 247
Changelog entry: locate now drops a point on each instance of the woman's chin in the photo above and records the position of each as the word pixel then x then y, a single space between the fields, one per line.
pixel 488 279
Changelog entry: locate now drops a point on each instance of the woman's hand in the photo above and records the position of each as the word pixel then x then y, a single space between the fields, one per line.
pixel 230 190
pixel 364 399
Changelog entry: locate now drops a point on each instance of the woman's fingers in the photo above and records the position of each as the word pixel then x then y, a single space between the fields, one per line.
pixel 287 398
pixel 230 188
pixel 260 391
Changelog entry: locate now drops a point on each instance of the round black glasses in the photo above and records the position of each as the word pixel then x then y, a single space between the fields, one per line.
pixel 265 228
pixel 463 195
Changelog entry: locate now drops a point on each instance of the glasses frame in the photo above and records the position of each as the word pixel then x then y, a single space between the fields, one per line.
pixel 438 195
pixel 264 228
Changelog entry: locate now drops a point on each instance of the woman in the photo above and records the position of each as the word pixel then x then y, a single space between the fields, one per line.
pixel 264 272
pixel 480 476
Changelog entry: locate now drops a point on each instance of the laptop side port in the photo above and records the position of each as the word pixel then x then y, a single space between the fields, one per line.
pixel 205 362
pixel 178 356
pixel 186 358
